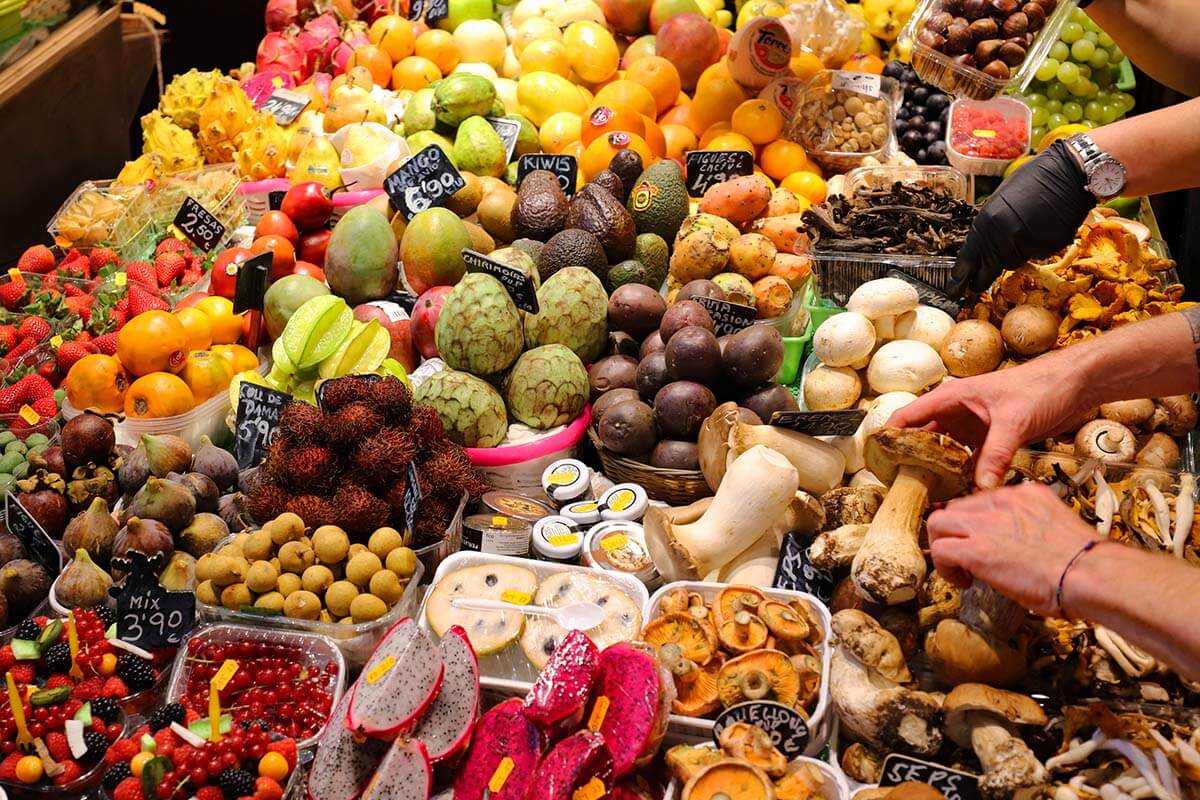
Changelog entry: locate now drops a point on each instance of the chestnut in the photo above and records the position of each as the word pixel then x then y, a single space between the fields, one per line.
pixel 958 40
pixel 1047 5
pixel 1015 25
pixel 988 50
pixel 932 40
pixel 975 9
pixel 1024 40
pixel 997 69
pixel 1002 8
pixel 953 7
pixel 981 29
pixel 966 60
pixel 939 22
pixel 1012 54
pixel 1035 14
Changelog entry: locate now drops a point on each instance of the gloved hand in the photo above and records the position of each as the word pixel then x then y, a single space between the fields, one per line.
pixel 1034 214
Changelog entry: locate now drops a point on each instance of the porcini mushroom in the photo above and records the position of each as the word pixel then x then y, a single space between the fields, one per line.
pixel 844 339
pixel 851 505
pixel 959 654
pixel 879 412
pixel 937 599
pixel 784 623
pixel 1106 440
pixel 866 676
pixel 904 365
pixel 729 779
pixel 921 466
pixel 685 632
pixel 985 719
pixel 862 763
pixel 695 685
pixel 972 348
pixel 744 633
pixel 925 324
pixel 761 675
pixel 1131 413
pixel 881 301
pixel 831 388
pixel 838 547
pixel 752 744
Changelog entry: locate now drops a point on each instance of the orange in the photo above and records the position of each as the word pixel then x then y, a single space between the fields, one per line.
pixel 601 151
pixel 159 394
pixel 712 72
pixel 99 382
pixel 679 139
pixel 206 374
pixel 394 34
pixel 154 341
pixel 627 93
pixel 676 115
pixel 781 158
pixel 558 131
pixel 197 327
pixel 715 130
pixel 806 184
pixel 654 137
pixel 757 120
pixel 576 149
pixel 226 326
pixel 601 119
pixel 374 58
pixel 814 168
pixel 865 63
pixel 415 72
pixel 437 46
pixel 545 55
pixel 715 102
pixel 730 141
pixel 659 76
pixel 241 358
pixel 805 64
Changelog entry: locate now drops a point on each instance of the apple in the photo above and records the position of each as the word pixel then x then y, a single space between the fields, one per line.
pixel 398 325
pixel 424 319
pixel 463 10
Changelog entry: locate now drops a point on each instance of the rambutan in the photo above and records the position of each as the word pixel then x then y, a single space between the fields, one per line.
pixel 425 426
pixel 273 464
pixel 314 510
pixel 395 502
pixel 341 392
pixel 301 424
pixel 433 518
pixel 352 424
pixel 392 398
pixel 448 471
pixel 267 501
pixel 310 468
pixel 357 511
pixel 384 457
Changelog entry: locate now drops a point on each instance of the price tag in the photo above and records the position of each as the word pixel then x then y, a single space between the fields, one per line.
pixel 196 223
pixel 728 317
pixel 425 180
pixel 820 423
pixel 515 596
pixel 952 783
pixel 252 277
pixel 928 294
pixel 599 712
pixel 564 167
pixel 37 542
pixel 518 284
pixel 379 670
pixel 867 83
pixel 148 615
pixel 508 130
pixel 796 573
pixel 405 300
pixel 785 725
pixel 30 416
pixel 431 10
pixel 285 105
pixel 707 168
pixel 257 418
pixel 500 776
pixel 275 200
pixel 412 500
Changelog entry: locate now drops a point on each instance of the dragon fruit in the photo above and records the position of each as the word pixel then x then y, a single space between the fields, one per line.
pixel 354 36
pixel 446 727
pixel 560 693
pixel 404 774
pixel 631 703
pixel 317 41
pixel 262 150
pixel 503 732
pixel 185 95
pixel 577 761
pixel 344 762
pixel 280 14
pixel 399 681
pixel 277 52
pixel 261 85
pixel 223 119
pixel 175 146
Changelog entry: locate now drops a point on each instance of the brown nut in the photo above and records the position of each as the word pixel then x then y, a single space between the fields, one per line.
pixel 932 40
pixel 988 50
pixel 966 60
pixel 1012 54
pixel 957 40
pixel 997 69
pixel 1002 8
pixel 981 29
pixel 939 22
pixel 1035 14
pixel 1047 5
pixel 952 6
pixel 975 9
pixel 1015 25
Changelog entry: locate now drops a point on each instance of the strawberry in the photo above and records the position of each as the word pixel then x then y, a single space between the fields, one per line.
pixel 141 301
pixel 73 290
pixel 24 346
pixel 8 767
pixel 191 277
pixel 7 659
pixel 123 750
pixel 106 344
pixel 11 398
pixel 37 388
pixel 169 267
pixel 114 687
pixel 267 789
pixel 46 408
pixel 8 337
pixel 89 690
pixel 22 672
pixel 12 293
pixel 38 258
pixel 165 737
pixel 82 306
pixel 142 272
pixel 70 352
pixel 56 680
pixel 83 336
pixel 100 258
pixel 75 268
pixel 71 772
pixel 57 744
pixel 203 793
pixel 286 748
pixel 190 715
pixel 35 327
pixel 129 789
pixel 170 245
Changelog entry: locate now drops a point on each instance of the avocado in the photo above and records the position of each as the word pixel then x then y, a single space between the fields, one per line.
pixel 628 271
pixel 609 180
pixel 651 250
pixel 531 246
pixel 573 247
pixel 658 200
pixel 541 207
pixel 595 210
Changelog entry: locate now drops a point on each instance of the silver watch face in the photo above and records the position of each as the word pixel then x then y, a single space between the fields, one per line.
pixel 1107 178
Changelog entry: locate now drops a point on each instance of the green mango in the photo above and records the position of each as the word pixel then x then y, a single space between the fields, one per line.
pixel 418 113
pixel 527 139
pixel 479 149
pixel 419 141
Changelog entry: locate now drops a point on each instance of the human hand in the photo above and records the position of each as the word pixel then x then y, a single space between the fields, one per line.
pixel 1017 539
pixel 1034 214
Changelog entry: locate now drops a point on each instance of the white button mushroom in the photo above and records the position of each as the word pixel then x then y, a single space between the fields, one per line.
pixel 885 405
pixel 881 301
pixel 831 388
pixel 844 339
pixel 925 324
pixel 904 366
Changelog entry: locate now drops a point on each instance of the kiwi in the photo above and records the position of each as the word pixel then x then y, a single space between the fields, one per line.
pixel 330 544
pixel 261 576
pixel 271 600
pixel 235 596
pixel 402 561
pixel 288 583
pixel 387 586
pixel 361 567
pixel 296 557
pixel 384 541
pixel 258 546
pixel 316 579
pixel 302 605
pixel 367 607
pixel 206 593
pixel 339 596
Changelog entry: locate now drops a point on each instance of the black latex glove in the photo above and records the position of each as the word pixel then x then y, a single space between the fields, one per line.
pixel 1034 214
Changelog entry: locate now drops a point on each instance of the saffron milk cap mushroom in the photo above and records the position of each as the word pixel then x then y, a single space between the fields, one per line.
pixel 985 719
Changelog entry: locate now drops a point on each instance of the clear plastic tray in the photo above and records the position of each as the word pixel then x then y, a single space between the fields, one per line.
pixel 77 225
pixel 149 218
pixel 83 786
pixel 883 176
pixel 508 671
pixel 700 728
pixel 317 650
pixel 840 273
pixel 812 126
pixel 1011 108
pixel 835 788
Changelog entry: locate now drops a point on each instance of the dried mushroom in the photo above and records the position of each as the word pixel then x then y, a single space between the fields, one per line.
pixel 914 219
pixel 742 634
pixel 752 744
pixel 684 631
pixel 761 675
pixel 695 685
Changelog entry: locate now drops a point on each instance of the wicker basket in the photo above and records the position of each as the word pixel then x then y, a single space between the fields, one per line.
pixel 679 487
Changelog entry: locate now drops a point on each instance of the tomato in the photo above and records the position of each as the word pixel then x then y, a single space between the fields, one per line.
pixel 311 270
pixel 307 205
pixel 283 258
pixel 279 224
pixel 313 246
pixel 225 270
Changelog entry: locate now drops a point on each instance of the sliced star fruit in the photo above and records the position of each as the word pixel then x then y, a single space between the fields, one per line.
pixel 316 330
pixel 363 351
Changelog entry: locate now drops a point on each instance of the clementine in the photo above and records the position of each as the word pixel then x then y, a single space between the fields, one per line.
pixel 196 326
pixel 607 119
pixel 659 76
pixel 206 374
pixel 226 326
pixel 240 357
pixel 394 35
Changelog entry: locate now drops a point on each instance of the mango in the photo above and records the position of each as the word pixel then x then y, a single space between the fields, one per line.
pixel 431 250
pixel 462 95
pixel 360 264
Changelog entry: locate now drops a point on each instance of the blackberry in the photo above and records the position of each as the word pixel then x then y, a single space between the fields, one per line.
pixel 117 773
pixel 163 717
pixel 106 709
pixel 57 658
pixel 97 744
pixel 136 672
pixel 236 782
pixel 248 724
pixel 28 630
pixel 106 615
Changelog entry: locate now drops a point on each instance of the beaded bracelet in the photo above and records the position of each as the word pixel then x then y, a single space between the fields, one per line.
pixel 1063 577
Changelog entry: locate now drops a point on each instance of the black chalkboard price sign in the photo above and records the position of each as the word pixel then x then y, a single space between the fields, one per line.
pixel 796 573
pixel 258 413
pixel 508 130
pixel 412 500
pixel 787 728
pixel 37 542
pixel 565 167
pixel 952 783
pixel 707 168
pixel 518 284
pixel 285 105
pixel 275 200
pixel 426 180
pixel 820 423
pixel 148 615
pixel 929 295
pixel 196 223
pixel 431 10
pixel 728 317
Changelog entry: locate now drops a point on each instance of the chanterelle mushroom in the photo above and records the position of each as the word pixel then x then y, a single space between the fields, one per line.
pixel 683 630
pixel 921 465
pixel 985 719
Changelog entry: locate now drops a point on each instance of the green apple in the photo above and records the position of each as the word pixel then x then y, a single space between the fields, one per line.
pixel 463 10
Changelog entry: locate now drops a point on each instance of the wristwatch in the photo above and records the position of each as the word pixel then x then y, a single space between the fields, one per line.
pixel 1105 175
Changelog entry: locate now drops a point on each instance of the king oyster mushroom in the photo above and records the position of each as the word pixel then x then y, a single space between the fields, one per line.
pixel 985 719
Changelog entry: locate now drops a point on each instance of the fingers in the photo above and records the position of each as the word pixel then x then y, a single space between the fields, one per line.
pixel 950 558
pixel 994 458
pixel 925 409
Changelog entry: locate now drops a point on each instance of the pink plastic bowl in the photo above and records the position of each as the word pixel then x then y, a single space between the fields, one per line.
pixel 502 456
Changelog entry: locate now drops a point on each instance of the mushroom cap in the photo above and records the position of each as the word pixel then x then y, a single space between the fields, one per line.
pixel 733 599
pixel 883 297
pixel 882 409
pixel 979 697
pixel 925 324
pixel 1029 330
pixel 684 630
pixel 751 743
pixel 772 666
pixel 960 654
pixel 1106 440
pixel 831 388
pixel 869 642
pixel 1175 414
pixel 891 448
pixel 913 790
pixel 1129 412
pixel 720 779
pixel 904 366
pixel 743 633
pixel 784 622
pixel 973 347
pixel 713 443
pixel 844 339
pixel 851 505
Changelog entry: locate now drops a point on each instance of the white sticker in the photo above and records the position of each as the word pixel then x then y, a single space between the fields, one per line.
pixel 393 310
pixel 867 83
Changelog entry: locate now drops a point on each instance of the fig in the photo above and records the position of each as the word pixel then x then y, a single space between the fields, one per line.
pixel 49 508
pixel 167 453
pixel 180 573
pixel 229 509
pixel 203 534
pixel 87 438
pixel 148 536
pixel 134 471
pixel 50 459
pixel 164 501
pixel 202 487
pixel 24 584
pixel 217 463
pixel 82 584
pixel 10 548
pixel 94 531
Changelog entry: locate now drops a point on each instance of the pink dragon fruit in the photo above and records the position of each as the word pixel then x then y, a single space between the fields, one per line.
pixel 354 36
pixel 446 727
pixel 280 14
pixel 278 53
pixel 344 762
pixel 317 41
pixel 404 774
pixel 560 693
pixel 503 732
pixel 261 85
pixel 631 703
pixel 577 761
pixel 630 790
pixel 399 681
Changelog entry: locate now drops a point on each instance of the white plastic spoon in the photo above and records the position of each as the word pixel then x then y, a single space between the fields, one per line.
pixel 575 617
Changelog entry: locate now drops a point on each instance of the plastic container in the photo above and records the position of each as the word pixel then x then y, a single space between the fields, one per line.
pixel 10 18
pixel 819 722
pixel 794 348
pixel 520 466
pixel 1011 111
pixel 257 196
pixel 822 102
pixel 947 179
pixel 835 788
pixel 431 555
pixel 508 672
pixel 87 217
pixel 1125 78
pixel 83 786
pixel 316 651
pixel 841 273
pixel 47 427
pixel 344 201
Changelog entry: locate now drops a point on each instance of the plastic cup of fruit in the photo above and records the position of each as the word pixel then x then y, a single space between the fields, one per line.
pixel 147 699
pixel 81 787
pixel 985 136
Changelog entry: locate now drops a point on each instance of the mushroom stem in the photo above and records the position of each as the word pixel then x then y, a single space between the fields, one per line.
pixel 989 612
pixel 1162 512
pixel 889 565
pixel 755 684
pixel 1106 505
pixel 1185 503
pixel 838 547
pixel 1007 761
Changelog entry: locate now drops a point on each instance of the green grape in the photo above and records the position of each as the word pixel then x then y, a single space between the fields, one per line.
pixel 1034 100
pixel 1039 117
pixel 1104 40
pixel 1090 25
pixel 1087 123
pixel 1093 111
pixel 1068 73
pixel 1082 87
pixel 1059 51
pixel 1072 32
pixel 1109 113
pixel 1072 111
pixel 1115 55
pixel 1037 133
pixel 1124 100
pixel 1047 70
pixel 1099 59
pixel 1082 50
pixel 1080 16
pixel 1091 36
pixel 1054 106
pixel 1056 91
pixel 1084 70
pixel 1055 121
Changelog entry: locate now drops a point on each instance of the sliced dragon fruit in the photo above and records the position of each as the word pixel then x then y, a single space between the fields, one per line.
pixel 446 727
pixel 404 774
pixel 399 681
pixel 631 703
pixel 560 693
pixel 344 762
pixel 628 790
pixel 577 761
pixel 502 733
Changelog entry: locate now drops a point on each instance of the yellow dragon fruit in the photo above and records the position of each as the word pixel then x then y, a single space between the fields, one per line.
pixel 146 167
pixel 186 94
pixel 262 150
pixel 222 119
pixel 174 145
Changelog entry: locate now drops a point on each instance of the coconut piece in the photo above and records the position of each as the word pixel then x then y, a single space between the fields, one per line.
pixel 844 339
pixel 985 719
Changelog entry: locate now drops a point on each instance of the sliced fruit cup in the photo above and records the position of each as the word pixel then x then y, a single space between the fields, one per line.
pixel 290 680
pixel 87 217
pixel 985 136
pixel 93 767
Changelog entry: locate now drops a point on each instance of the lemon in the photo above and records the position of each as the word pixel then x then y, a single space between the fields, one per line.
pixel 1061 132
pixel 541 94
